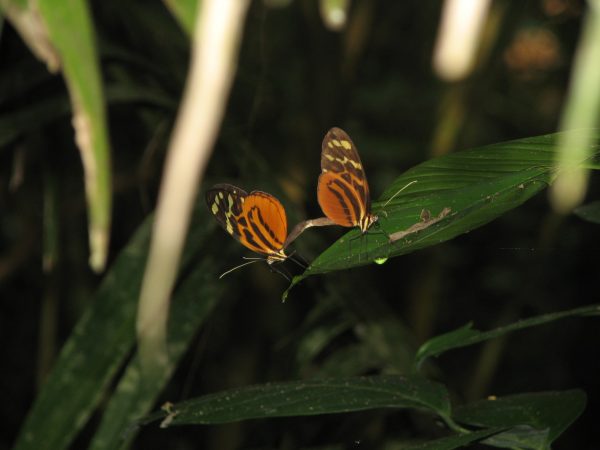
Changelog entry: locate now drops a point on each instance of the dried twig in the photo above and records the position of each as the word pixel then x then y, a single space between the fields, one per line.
pixel 426 222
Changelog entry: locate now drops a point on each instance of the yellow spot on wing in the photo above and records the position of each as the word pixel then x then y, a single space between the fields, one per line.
pixel 215 208
pixel 336 142
pixel 347 145
pixel 229 227
pixel 345 160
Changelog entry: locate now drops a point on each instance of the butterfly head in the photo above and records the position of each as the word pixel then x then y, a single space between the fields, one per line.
pixel 366 221
pixel 276 257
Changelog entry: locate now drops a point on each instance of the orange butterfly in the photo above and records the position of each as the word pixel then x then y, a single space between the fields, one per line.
pixel 257 220
pixel 343 191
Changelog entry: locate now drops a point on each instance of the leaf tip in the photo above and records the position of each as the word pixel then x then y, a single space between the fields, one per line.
pixel 297 279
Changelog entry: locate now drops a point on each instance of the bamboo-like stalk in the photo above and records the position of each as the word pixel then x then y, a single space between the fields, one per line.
pixel 217 33
pixel 582 110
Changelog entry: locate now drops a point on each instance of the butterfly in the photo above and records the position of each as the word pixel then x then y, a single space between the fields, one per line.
pixel 343 191
pixel 257 220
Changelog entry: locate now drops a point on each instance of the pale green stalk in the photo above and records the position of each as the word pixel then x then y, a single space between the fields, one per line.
pixel 581 110
pixel 218 30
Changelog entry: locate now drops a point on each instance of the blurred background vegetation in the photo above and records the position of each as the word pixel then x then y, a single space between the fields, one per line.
pixel 295 80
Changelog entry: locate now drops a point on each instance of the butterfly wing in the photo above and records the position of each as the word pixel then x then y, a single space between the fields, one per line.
pixel 265 222
pixel 257 220
pixel 343 191
pixel 225 202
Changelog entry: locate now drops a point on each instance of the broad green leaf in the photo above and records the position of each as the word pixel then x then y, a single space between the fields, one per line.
pixel 98 346
pixel 477 186
pixel 311 397
pixel 192 303
pixel 466 335
pixel 79 63
pixel 521 437
pixel 540 418
pixel 446 443
pixel 185 13
pixel 589 212
pixel 88 360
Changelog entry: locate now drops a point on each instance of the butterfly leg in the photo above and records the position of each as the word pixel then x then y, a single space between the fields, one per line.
pixel 281 271
pixel 298 260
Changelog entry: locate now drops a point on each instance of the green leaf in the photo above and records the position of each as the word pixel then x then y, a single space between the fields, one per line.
pixel 477 185
pixel 522 437
pixel 86 363
pixel 539 418
pixel 193 301
pixel 466 335
pixel 589 212
pixel 447 443
pixel 79 63
pixel 311 397
pixel 98 346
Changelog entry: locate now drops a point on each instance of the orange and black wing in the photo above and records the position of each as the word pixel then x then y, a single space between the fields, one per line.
pixel 265 223
pixel 343 191
pixel 257 220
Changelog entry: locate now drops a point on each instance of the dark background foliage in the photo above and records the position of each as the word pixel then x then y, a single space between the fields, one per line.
pixel 295 80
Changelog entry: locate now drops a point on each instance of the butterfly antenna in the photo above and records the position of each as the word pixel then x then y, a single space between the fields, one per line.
pixel 401 189
pixel 251 261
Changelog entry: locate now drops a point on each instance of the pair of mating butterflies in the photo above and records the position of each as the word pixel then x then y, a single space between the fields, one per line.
pixel 258 221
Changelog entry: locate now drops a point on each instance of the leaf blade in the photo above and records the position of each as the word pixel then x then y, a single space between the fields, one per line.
pixel 312 397
pixel 80 66
pixel 90 361
pixel 478 186
pixel 548 414
pixel 466 335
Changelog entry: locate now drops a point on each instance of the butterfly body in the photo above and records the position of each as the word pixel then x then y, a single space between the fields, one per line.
pixel 257 220
pixel 343 190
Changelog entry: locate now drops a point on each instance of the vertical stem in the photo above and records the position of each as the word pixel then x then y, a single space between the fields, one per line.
pixel 218 30
pixel 582 110
pixel 50 256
